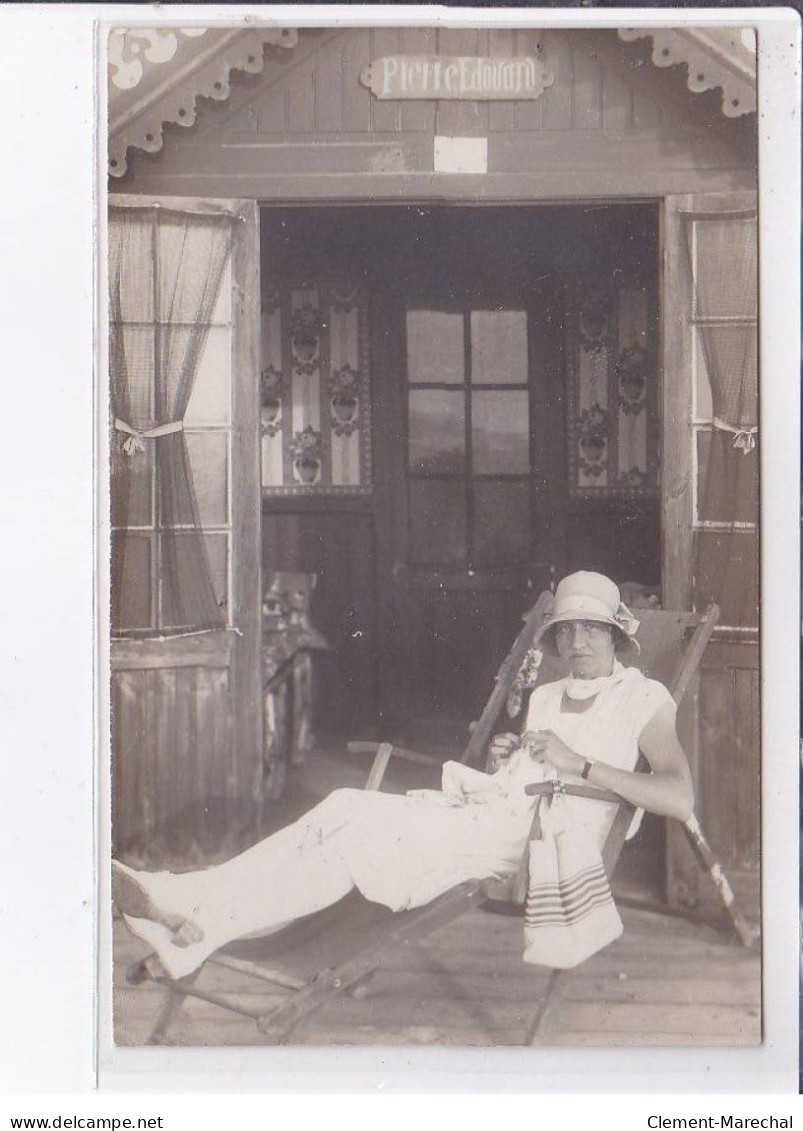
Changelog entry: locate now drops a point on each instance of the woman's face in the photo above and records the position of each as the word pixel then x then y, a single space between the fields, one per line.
pixel 586 646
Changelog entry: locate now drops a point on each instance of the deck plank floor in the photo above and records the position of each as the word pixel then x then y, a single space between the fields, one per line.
pixel 665 982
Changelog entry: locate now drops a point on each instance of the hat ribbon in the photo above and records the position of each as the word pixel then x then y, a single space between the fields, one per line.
pixel 135 441
pixel 625 620
pixel 745 438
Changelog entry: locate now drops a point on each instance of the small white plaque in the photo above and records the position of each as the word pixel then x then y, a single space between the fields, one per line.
pixel 461 154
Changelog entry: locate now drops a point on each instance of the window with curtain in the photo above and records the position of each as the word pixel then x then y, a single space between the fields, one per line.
pixel 723 260
pixel 171 387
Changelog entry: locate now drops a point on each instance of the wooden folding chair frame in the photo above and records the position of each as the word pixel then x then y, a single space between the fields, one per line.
pixel 301 997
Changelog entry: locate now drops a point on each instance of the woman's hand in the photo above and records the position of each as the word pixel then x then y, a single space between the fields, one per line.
pixel 502 746
pixel 545 746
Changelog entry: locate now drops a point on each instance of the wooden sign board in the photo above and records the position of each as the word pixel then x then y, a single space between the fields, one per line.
pixel 468 77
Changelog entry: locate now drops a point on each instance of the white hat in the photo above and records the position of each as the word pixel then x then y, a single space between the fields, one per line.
pixel 593 597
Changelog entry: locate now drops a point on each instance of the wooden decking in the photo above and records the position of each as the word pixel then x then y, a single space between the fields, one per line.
pixel 665 982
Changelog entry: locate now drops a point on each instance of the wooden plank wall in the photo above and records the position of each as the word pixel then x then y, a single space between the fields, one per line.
pixel 610 123
pixel 174 775
pixel 721 731
pixel 589 92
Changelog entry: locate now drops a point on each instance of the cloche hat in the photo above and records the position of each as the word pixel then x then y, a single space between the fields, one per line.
pixel 592 597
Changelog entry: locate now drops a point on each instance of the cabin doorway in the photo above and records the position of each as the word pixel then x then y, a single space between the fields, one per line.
pixel 514 437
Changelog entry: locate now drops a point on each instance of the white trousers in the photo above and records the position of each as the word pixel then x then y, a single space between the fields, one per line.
pixel 399 851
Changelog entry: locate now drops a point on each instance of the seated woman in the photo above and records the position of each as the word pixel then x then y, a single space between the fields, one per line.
pixel 403 851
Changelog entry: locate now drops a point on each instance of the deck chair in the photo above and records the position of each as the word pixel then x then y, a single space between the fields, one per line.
pixel 672 648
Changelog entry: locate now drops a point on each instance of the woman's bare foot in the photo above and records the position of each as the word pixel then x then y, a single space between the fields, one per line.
pixel 187 934
pixel 131 897
pixel 150 969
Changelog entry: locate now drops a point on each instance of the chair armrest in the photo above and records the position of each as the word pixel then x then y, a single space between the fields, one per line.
pixel 383 752
pixel 549 788
pixel 396 752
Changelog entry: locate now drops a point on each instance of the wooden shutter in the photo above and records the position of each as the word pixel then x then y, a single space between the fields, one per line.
pixel 719 725
pixel 186 711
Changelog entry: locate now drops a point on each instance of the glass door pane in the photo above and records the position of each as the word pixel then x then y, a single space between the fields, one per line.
pixel 500 433
pixel 436 431
pixel 435 349
pixel 498 347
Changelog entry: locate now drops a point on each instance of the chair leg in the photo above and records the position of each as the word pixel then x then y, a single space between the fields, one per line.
pixel 281 1019
pixel 709 863
pixel 171 1004
pixel 361 989
pixel 534 1033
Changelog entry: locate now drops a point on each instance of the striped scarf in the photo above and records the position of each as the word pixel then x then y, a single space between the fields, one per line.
pixel 569 910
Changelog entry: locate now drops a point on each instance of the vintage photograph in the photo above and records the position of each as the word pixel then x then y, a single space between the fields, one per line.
pixel 433 495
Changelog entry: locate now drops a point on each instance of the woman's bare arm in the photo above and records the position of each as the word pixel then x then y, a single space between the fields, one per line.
pixel 668 790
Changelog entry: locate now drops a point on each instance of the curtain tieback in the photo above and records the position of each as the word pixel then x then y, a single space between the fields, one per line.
pixel 744 438
pixel 135 443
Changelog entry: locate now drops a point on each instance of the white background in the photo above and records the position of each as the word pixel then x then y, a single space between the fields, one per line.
pixel 47 712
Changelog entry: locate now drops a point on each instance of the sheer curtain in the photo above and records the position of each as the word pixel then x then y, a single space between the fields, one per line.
pixel 724 263
pixel 165 271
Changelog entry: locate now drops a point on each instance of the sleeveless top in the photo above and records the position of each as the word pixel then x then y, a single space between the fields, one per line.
pixel 607 731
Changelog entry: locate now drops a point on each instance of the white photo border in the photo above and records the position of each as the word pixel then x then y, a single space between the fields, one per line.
pixel 60 781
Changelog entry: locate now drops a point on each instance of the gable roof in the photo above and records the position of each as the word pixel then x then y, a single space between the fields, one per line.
pixel 156 75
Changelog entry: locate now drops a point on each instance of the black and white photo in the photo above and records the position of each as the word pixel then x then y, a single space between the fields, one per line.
pixel 434 529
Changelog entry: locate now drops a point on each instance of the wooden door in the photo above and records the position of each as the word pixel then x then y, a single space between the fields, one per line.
pixel 472 544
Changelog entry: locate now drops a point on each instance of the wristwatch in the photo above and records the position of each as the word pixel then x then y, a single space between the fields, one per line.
pixel 586 770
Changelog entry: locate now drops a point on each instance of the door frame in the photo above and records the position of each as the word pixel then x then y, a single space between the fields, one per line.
pixel 389 525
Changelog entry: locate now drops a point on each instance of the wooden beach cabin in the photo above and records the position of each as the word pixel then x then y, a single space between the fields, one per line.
pixel 451 313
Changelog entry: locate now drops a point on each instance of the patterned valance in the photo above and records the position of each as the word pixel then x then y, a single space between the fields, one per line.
pixel 612 388
pixel 316 407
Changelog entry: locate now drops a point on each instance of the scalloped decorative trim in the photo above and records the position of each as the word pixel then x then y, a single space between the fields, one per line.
pixel 708 66
pixel 128 47
pixel 144 129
